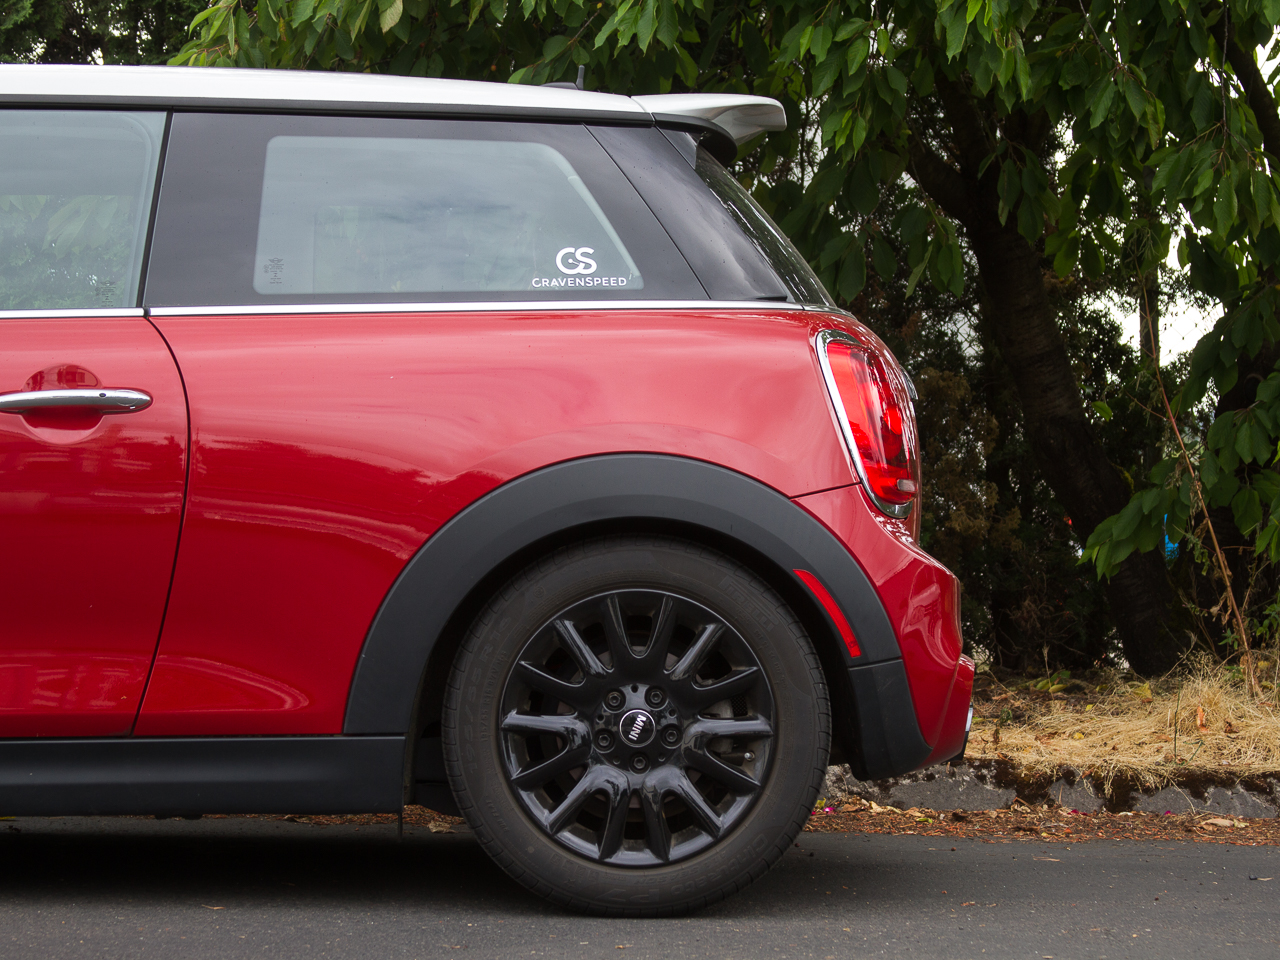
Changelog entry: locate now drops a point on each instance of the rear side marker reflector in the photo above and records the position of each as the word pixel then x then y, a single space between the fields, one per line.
pixel 872 399
pixel 833 610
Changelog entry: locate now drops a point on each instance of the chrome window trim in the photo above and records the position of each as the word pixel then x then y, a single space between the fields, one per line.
pixel 71 312
pixel 824 337
pixel 473 306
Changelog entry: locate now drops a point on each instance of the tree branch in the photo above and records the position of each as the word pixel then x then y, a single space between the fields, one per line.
pixel 1255 89
pixel 949 188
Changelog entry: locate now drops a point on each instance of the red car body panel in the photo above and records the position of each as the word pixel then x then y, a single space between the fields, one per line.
pixel 327 448
pixel 91 508
pixel 922 599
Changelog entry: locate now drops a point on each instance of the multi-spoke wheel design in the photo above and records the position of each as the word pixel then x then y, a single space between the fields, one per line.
pixel 637 727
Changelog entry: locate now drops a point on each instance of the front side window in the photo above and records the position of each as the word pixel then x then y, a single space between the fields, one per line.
pixel 369 215
pixel 786 260
pixel 75 196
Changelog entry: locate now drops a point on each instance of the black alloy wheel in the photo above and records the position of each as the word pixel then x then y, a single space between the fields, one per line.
pixel 636 726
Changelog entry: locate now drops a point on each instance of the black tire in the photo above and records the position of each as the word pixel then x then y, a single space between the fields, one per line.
pixel 690 828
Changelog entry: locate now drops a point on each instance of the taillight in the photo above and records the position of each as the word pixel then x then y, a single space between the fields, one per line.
pixel 874 409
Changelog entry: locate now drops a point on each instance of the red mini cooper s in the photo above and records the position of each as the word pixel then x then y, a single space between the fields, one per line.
pixel 368 441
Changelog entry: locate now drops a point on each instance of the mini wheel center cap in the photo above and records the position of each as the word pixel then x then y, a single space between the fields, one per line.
pixel 637 728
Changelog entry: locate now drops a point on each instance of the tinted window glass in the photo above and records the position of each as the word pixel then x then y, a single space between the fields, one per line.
pixel 382 215
pixel 280 210
pixel 75 197
pixel 728 264
pixel 794 270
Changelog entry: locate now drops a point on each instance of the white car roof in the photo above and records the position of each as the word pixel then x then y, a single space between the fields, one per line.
pixel 739 115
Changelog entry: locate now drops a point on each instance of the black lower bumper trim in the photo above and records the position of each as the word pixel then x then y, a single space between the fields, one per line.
pixel 189 775
pixel 887 730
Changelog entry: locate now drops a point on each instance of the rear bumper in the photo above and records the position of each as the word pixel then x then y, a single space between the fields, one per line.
pixel 885 725
pixel 911 711
pixel 953 734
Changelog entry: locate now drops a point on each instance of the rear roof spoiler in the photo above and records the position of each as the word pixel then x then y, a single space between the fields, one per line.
pixel 739 115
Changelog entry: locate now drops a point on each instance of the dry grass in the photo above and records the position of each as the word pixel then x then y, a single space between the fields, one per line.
pixel 1154 733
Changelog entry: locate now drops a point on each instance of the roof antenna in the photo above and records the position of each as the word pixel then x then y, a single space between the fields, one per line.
pixel 579 84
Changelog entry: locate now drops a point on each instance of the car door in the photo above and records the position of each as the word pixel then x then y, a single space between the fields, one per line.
pixel 92 424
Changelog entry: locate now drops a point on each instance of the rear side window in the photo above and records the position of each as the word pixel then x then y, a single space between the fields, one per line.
pixel 282 210
pixel 366 215
pixel 75 198
pixel 801 281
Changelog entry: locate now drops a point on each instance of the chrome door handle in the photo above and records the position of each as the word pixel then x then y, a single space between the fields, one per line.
pixel 101 400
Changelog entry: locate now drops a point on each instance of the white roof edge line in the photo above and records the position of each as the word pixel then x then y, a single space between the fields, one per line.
pixel 741 116
pixel 162 84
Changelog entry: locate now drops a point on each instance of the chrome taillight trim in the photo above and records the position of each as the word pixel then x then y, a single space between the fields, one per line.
pixel 898 511
pixel 473 306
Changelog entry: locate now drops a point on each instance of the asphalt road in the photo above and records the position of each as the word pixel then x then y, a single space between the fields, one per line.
pixel 226 889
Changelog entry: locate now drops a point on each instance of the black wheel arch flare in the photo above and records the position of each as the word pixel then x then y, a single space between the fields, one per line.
pixel 407 651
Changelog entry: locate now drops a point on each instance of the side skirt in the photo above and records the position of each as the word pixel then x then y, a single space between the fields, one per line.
pixel 172 776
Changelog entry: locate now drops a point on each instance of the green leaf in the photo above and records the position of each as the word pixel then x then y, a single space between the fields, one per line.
pixel 1127 521
pixel 1102 102
pixel 1064 260
pixel 883 257
pixel 1224 205
pixel 819 43
pixel 1247 510
pixel 1137 99
pixel 858 51
pixel 1091 258
pixel 1101 409
pixel 389 17
pixel 554 47
pixel 853 273
pixel 1009 187
pixel 648 24
pixel 956 31
pixel 668 30
pixel 302 11
pixel 916 274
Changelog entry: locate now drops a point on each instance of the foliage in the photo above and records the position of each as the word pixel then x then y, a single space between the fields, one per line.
pixel 65 251
pixel 94 31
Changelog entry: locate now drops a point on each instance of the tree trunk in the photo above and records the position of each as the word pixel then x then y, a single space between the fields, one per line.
pixel 1066 449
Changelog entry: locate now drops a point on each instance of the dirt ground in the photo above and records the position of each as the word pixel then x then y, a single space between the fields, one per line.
pixel 1121 731
pixel 1042 823
pixel 993 826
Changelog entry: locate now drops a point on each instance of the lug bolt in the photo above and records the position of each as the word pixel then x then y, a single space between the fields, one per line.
pixel 654 697
pixel 671 736
pixel 639 763
pixel 604 740
pixel 614 699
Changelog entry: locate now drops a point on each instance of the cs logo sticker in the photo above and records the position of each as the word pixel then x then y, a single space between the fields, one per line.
pixel 578 260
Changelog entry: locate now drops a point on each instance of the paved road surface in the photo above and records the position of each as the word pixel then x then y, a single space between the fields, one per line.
pixel 230 889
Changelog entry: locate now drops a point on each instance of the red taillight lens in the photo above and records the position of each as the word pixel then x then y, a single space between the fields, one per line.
pixel 877 419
